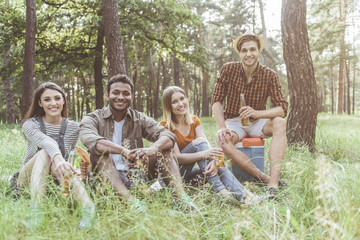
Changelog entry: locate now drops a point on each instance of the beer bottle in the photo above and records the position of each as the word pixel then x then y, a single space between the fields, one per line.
pixel 244 122
pixel 66 190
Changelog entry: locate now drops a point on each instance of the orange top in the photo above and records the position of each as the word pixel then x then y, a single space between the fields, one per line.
pixel 183 141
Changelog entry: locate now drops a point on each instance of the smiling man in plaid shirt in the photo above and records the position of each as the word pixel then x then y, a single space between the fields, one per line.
pixel 257 83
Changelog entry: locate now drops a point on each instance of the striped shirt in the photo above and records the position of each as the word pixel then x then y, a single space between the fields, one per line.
pixel 37 139
pixel 232 82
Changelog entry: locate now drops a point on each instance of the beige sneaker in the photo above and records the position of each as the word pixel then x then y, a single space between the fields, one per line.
pixel 225 194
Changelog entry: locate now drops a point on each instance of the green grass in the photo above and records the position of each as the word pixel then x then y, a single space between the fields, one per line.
pixel 321 202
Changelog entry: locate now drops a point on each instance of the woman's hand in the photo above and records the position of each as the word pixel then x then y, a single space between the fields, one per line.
pixel 213 153
pixel 211 169
pixel 62 167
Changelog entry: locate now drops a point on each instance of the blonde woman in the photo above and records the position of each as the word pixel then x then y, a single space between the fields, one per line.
pixel 192 147
pixel 50 137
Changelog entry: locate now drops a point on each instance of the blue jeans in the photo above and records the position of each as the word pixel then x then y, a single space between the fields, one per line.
pixel 224 178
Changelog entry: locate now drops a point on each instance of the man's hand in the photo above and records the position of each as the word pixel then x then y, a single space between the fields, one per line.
pixel 224 135
pixel 247 111
pixel 62 167
pixel 142 153
pixel 125 153
pixel 211 169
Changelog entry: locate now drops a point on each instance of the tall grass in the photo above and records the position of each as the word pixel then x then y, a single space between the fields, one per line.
pixel 321 202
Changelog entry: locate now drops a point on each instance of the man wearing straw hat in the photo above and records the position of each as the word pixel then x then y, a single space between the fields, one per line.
pixel 257 83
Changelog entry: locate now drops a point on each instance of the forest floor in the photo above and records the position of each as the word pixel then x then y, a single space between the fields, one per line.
pixel 322 200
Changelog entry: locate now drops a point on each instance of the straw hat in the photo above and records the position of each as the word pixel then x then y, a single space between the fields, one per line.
pixel 249 33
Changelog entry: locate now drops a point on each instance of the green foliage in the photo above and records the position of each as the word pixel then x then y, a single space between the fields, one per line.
pixel 321 202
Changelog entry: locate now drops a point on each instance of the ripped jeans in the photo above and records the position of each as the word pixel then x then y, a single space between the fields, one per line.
pixel 224 178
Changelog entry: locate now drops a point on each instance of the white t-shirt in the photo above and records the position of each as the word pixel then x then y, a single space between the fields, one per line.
pixel 117 138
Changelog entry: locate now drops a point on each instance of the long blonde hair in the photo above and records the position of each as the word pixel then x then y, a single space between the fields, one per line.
pixel 167 113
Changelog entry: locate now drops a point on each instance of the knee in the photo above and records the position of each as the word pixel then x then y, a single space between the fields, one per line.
pixel 43 156
pixel 279 125
pixel 100 163
pixel 198 141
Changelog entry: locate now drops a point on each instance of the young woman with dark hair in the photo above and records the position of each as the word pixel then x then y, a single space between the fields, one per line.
pixel 50 138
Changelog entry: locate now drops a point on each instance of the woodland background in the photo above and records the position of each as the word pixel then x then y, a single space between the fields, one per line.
pixel 173 42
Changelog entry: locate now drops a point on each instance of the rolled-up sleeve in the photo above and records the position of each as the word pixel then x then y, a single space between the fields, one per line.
pixel 220 88
pixel 153 130
pixel 89 134
pixel 276 95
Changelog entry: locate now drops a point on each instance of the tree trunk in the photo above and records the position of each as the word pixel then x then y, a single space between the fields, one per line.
pixel 332 89
pixel 114 45
pixel 354 84
pixel 73 114
pixel 205 97
pixel 140 80
pixel 186 80
pixel 263 22
pixel 301 125
pixel 342 12
pixel 98 65
pixel 196 94
pixel 176 70
pixel 166 80
pixel 29 59
pixel 156 92
pixel 155 87
pixel 78 99
pixel 10 101
pixel 348 104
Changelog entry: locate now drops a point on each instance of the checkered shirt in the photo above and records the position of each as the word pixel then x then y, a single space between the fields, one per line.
pixel 232 82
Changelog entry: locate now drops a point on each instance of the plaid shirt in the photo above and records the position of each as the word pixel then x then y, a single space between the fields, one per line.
pixel 232 82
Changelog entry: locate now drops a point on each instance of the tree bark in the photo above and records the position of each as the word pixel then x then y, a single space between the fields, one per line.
pixel 263 22
pixel 301 125
pixel 29 59
pixel 156 90
pixel 140 80
pixel 186 80
pixel 332 89
pixel 114 45
pixel 348 104
pixel 354 84
pixel 10 101
pixel 342 12
pixel 166 80
pixel 73 114
pixel 98 65
pixel 176 70
pixel 205 97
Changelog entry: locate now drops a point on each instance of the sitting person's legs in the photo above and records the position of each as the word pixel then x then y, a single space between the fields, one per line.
pixel 104 165
pixel 188 170
pixel 232 183
pixel 165 164
pixel 237 157
pixel 34 174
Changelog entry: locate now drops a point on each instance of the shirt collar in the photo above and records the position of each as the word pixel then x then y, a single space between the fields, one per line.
pixel 107 113
pixel 255 73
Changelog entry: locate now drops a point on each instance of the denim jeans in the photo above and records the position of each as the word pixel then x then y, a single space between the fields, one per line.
pixel 224 178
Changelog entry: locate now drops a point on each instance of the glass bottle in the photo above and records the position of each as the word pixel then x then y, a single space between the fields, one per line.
pixel 244 122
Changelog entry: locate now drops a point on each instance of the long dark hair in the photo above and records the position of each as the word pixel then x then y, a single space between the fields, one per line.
pixel 35 110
